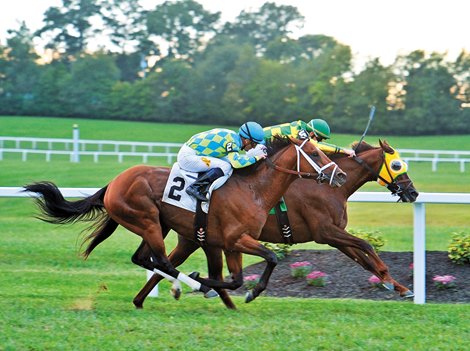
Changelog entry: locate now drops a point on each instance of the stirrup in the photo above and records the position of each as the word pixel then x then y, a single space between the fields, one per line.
pixel 193 191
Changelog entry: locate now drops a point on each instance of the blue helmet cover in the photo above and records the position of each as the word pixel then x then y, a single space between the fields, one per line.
pixel 252 131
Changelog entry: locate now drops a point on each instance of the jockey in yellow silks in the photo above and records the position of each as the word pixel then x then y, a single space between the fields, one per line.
pixel 317 129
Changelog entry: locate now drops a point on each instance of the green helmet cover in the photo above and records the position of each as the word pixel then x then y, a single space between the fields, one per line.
pixel 320 127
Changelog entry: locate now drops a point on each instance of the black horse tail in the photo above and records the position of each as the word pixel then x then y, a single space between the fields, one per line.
pixel 57 210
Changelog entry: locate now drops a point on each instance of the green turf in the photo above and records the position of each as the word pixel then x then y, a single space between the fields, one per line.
pixel 54 300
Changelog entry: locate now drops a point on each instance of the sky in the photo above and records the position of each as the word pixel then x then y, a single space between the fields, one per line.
pixel 372 28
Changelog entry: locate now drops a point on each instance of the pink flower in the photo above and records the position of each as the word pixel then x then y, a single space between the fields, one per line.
pixel 444 281
pixel 411 266
pixel 252 277
pixel 317 278
pixel 374 280
pixel 250 281
pixel 300 269
pixel 316 274
pixel 300 264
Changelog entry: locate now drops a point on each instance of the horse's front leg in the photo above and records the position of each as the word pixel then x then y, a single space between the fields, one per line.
pixel 362 252
pixel 372 262
pixel 248 245
pixel 215 267
pixel 234 265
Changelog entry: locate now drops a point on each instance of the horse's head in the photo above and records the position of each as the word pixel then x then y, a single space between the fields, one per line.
pixel 393 174
pixel 310 156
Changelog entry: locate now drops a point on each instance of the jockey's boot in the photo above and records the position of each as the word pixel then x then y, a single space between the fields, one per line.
pixel 201 186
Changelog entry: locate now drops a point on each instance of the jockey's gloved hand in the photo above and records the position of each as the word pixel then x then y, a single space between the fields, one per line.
pixel 259 150
pixel 351 153
pixel 302 135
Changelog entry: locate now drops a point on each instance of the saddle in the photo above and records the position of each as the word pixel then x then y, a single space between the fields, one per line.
pixel 175 194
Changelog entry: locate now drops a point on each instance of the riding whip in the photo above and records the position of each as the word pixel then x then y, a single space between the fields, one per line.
pixel 371 117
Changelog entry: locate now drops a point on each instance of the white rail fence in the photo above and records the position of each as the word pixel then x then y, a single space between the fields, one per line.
pixel 76 148
pixel 97 149
pixel 419 213
pixel 436 156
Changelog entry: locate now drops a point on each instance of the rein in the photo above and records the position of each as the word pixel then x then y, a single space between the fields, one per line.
pixel 302 174
pixel 369 168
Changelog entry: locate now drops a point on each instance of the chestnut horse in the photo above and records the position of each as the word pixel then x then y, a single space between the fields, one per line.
pixel 319 213
pixel 237 213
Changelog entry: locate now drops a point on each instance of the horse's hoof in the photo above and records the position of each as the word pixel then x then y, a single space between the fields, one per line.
pixel 194 275
pixel 407 294
pixel 388 286
pixel 176 290
pixel 176 293
pixel 210 294
pixel 249 296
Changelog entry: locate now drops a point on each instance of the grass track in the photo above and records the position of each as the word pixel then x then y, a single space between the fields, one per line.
pixel 53 300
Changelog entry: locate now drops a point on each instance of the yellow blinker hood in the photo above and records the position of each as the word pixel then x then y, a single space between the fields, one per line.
pixel 392 167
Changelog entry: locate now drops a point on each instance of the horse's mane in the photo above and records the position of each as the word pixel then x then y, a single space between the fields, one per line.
pixel 363 147
pixel 273 146
pixel 278 143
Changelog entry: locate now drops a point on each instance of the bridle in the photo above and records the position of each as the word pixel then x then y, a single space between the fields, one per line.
pixel 397 188
pixel 320 177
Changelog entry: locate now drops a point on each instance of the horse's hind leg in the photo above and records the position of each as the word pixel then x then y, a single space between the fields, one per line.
pixel 163 267
pixel 143 254
pixel 131 203
pixel 180 253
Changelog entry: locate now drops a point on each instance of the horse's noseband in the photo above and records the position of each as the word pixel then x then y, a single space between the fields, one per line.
pixel 321 175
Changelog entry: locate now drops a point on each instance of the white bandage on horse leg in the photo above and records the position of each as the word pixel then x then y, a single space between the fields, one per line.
pixel 182 278
pixel 164 275
pixel 195 285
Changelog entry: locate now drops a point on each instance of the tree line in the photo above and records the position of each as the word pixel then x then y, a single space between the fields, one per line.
pixel 112 59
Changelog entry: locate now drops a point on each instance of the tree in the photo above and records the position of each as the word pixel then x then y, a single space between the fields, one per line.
pixel 320 76
pixel 430 96
pixel 369 87
pixel 167 92
pixel 18 72
pixel 212 70
pixel 461 71
pixel 86 90
pixel 49 88
pixel 180 27
pixel 69 27
pixel 271 22
pixel 124 24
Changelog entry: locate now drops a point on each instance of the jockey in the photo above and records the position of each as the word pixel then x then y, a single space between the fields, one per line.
pixel 215 152
pixel 316 129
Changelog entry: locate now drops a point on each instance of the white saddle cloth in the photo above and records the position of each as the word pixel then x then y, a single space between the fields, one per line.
pixel 175 189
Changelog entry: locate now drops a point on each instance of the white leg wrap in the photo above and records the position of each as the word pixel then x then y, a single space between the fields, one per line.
pixel 190 282
pixel 182 278
pixel 164 275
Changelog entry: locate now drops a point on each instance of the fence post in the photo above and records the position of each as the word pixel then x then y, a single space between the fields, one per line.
pixel 76 138
pixel 419 253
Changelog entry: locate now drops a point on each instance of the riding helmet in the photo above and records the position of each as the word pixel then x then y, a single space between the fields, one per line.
pixel 320 128
pixel 252 131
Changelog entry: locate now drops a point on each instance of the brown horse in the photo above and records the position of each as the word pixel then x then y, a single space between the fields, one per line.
pixel 237 213
pixel 319 213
